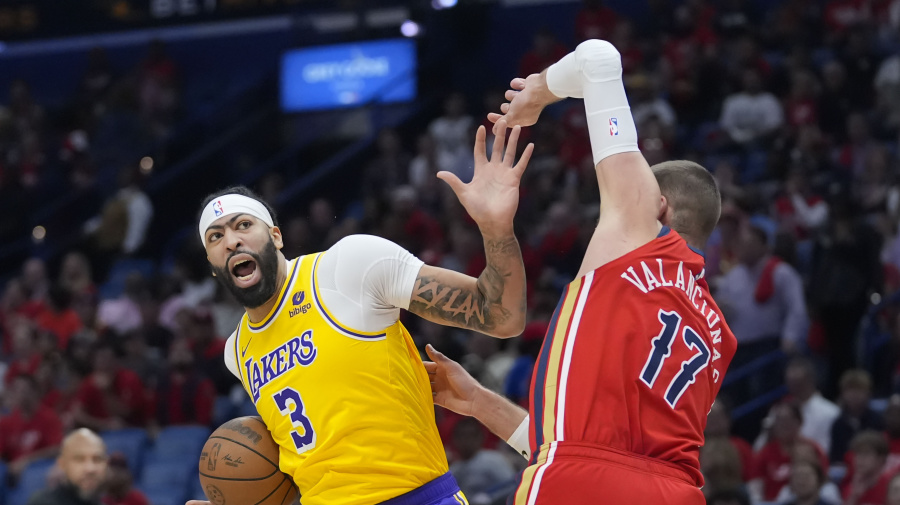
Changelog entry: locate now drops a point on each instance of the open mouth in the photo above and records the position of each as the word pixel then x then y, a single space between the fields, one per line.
pixel 245 271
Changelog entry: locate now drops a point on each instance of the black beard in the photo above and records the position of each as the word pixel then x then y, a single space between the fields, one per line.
pixel 258 294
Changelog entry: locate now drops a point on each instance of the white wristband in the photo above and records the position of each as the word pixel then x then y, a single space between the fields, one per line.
pixel 519 439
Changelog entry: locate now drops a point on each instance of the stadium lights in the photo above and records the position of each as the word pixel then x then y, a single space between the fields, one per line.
pixel 146 165
pixel 443 4
pixel 39 233
pixel 410 29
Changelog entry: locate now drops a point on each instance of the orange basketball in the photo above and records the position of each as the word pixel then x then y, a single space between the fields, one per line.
pixel 239 466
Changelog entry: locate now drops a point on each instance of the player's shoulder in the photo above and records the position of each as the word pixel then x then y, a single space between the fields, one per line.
pixel 363 243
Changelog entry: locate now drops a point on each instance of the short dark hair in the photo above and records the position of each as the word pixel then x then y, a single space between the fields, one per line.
pixel 856 379
pixel 693 194
pixel 815 465
pixel 871 440
pixel 238 190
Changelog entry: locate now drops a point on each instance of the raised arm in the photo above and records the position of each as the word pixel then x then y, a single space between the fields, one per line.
pixel 630 200
pixel 494 303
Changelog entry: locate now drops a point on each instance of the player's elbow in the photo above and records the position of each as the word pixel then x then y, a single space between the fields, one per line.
pixel 513 328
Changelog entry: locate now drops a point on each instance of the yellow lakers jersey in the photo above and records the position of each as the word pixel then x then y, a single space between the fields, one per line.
pixel 351 411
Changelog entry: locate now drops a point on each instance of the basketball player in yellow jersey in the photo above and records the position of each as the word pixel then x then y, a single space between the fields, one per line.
pixel 321 351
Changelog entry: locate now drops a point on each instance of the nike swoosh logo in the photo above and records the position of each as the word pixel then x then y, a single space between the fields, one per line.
pixel 246 347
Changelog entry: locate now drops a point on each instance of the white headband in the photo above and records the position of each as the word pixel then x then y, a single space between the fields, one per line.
pixel 232 204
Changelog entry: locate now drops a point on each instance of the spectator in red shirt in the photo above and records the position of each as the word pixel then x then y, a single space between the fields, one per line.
pixel 110 397
pixel 869 484
pixel 807 478
pixel 773 461
pixel 891 419
pixel 31 431
pixel 184 395
pixel 594 21
pixel 26 354
pixel 119 490
pixel 801 107
pixel 718 426
pixel 58 318
pixel 208 349
pixel 545 52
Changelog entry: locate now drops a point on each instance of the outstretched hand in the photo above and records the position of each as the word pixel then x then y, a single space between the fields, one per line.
pixel 491 199
pixel 451 386
pixel 526 100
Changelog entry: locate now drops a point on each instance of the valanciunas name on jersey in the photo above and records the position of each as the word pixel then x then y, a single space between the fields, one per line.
pixel 686 282
pixel 296 351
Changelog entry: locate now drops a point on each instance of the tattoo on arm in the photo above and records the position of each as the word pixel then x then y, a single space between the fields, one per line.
pixel 479 309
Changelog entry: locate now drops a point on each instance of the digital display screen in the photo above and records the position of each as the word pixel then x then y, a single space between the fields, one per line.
pixel 348 75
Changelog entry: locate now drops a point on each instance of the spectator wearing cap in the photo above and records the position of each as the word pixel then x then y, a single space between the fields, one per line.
pixel 119 490
pixel 31 431
pixel 868 483
pixel 856 416
pixel 111 396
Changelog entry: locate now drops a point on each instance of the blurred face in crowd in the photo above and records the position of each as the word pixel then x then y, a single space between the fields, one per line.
pixel 180 355
pixel 892 417
pixel 804 481
pixel 717 422
pixel 83 461
pixel 752 247
pixel 800 381
pixel 104 360
pixel 24 395
pixel 868 462
pixel 855 399
pixel 34 273
pixel 243 253
pixel 785 426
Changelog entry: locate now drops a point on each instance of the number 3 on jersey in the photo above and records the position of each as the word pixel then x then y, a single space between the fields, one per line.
pixel 662 349
pixel 283 400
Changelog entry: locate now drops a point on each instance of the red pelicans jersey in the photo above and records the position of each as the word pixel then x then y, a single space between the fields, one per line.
pixel 632 362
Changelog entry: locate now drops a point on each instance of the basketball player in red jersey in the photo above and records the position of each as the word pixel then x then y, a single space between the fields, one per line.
pixel 637 348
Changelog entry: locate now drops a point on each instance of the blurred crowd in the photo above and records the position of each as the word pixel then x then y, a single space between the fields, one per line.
pixel 795 108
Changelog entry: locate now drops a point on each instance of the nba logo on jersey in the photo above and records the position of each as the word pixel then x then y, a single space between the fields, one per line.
pixel 613 127
pixel 217 208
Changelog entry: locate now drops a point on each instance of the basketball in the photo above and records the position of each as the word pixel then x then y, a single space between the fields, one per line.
pixel 239 466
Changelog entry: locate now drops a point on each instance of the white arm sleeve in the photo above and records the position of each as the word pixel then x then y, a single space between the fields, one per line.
pixel 365 280
pixel 519 439
pixel 230 358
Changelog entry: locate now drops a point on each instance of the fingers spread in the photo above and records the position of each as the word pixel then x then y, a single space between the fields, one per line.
pixel 480 145
pixel 520 167
pixel 499 140
pixel 510 157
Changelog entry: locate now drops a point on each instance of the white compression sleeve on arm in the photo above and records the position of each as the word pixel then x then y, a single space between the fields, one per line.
pixel 564 78
pixel 519 439
pixel 610 123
